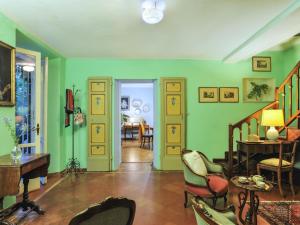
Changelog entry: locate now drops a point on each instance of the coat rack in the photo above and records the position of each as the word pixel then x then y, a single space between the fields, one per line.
pixel 73 165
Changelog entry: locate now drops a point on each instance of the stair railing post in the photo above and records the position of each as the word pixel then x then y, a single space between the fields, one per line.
pixel 230 150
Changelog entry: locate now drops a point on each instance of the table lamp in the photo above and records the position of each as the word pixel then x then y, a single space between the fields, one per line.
pixel 272 118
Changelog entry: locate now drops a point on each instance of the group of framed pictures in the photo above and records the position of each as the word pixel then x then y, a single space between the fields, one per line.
pixel 254 89
pixel 218 94
pixel 259 89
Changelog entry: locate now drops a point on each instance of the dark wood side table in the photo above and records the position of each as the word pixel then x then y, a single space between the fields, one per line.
pixel 250 149
pixel 29 167
pixel 249 190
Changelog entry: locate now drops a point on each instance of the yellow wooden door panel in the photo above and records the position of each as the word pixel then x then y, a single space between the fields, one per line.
pixel 97 150
pixel 173 105
pixel 97 86
pixel 99 124
pixel 173 133
pixel 172 122
pixel 98 133
pixel 173 150
pixel 98 104
pixel 173 87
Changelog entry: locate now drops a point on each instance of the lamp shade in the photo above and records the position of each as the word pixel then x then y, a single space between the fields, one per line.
pixel 272 117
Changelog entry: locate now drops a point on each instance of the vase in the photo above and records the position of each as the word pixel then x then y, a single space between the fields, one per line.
pixel 16 153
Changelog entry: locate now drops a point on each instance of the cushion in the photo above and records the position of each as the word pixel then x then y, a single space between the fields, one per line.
pixel 196 163
pixel 217 217
pixel 217 184
pixel 274 162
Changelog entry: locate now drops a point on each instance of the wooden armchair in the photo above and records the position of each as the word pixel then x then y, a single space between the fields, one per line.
pixel 112 211
pixel 203 178
pixel 208 216
pixel 280 165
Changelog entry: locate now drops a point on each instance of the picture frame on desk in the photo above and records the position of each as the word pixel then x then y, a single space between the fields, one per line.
pixel 7 74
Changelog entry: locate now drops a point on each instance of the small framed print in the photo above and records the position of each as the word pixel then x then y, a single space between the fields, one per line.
pixel 125 103
pixel 261 64
pixel 229 94
pixel 208 94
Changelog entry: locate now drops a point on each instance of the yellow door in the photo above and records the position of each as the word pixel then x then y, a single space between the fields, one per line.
pixel 99 124
pixel 172 122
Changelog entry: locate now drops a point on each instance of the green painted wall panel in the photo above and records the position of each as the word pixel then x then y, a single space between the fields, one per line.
pixel 207 123
pixel 7 35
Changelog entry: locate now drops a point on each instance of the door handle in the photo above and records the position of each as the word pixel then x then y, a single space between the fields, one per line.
pixel 38 129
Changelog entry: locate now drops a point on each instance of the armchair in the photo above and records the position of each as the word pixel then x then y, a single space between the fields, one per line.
pixel 112 211
pixel 208 216
pixel 203 178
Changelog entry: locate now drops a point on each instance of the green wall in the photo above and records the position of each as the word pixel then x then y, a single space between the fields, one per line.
pixel 7 35
pixel 207 123
pixel 15 36
pixel 291 58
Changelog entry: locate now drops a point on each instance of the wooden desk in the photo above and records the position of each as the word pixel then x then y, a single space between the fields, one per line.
pixel 29 167
pixel 250 149
pixel 130 128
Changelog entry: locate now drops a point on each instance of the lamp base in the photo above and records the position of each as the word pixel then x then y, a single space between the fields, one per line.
pixel 272 134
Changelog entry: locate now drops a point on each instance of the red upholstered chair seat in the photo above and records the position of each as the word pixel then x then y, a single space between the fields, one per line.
pixel 217 184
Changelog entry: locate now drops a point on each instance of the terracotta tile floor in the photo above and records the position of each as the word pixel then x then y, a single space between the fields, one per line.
pixel 158 195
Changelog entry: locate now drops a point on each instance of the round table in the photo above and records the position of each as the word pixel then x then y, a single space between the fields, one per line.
pixel 249 187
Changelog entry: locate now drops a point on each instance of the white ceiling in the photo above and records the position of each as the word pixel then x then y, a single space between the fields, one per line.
pixel 194 29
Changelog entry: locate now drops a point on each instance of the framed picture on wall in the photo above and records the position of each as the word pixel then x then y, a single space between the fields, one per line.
pixel 208 94
pixel 258 89
pixel 125 103
pixel 7 75
pixel 261 64
pixel 229 94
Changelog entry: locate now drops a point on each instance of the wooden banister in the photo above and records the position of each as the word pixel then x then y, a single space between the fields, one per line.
pixel 279 103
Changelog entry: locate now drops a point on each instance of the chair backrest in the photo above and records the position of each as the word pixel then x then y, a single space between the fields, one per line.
pixel 112 211
pixel 142 128
pixel 292 155
pixel 205 215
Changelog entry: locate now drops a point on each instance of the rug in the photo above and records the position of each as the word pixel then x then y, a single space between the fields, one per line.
pixel 280 213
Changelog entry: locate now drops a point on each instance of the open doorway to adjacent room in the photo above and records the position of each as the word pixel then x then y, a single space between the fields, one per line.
pixel 136 110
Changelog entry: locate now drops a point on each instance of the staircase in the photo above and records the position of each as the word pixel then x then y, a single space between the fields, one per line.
pixel 286 98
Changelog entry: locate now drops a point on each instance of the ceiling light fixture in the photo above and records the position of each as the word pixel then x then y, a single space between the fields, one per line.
pixel 28 68
pixel 153 11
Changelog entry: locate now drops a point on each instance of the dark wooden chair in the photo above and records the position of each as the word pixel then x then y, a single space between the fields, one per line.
pixel 206 215
pixel 112 211
pixel 213 185
pixel 146 136
pixel 280 165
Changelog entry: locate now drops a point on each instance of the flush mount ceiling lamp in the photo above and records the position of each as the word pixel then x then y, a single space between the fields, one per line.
pixel 28 68
pixel 153 11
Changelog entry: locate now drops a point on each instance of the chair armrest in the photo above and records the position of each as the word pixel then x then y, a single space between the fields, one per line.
pixel 210 166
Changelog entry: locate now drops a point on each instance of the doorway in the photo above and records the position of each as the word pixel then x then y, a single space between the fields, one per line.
pixel 135 113
pixel 31 105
